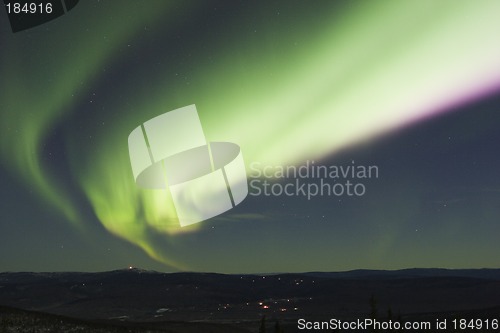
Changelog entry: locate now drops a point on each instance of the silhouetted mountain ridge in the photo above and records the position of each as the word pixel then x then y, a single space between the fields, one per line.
pixel 484 273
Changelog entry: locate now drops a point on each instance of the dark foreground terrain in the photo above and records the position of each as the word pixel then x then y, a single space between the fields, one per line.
pixel 143 301
pixel 16 320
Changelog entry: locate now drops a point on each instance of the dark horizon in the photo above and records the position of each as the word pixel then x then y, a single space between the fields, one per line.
pixel 400 270
pixel 177 302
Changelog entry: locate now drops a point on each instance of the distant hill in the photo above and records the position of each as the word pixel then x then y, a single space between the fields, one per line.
pixel 484 273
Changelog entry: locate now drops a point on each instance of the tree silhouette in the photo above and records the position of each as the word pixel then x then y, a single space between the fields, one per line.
pixel 277 327
pixel 373 307
pixel 262 328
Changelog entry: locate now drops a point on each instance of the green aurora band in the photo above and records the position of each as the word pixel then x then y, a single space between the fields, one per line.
pixel 316 84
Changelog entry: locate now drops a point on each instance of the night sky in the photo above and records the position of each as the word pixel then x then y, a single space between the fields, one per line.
pixel 410 87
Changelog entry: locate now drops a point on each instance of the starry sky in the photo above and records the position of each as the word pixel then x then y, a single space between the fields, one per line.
pixel 410 87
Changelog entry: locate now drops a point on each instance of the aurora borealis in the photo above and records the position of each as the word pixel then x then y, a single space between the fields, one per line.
pixel 411 87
